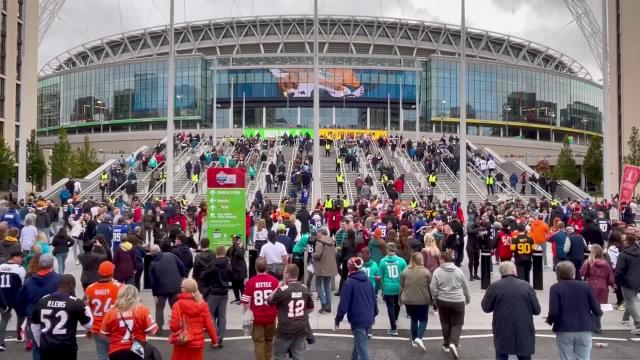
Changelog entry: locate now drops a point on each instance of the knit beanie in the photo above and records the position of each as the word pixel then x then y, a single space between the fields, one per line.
pixel 354 264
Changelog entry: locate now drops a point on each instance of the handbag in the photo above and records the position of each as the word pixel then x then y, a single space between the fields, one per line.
pixel 183 335
pixel 142 349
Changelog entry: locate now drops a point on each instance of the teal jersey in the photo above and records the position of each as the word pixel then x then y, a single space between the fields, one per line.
pixel 298 248
pixel 341 236
pixel 370 268
pixel 391 267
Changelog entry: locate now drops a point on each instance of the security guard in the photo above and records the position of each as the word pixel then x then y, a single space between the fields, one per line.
pixel 384 179
pixel 340 182
pixel 328 203
pixel 327 148
pixel 433 179
pixel 414 203
pixel 338 163
pixel 489 181
pixel 194 179
pixel 104 183
pixel 112 200
pixel 163 182
pixel 183 202
pixel 345 203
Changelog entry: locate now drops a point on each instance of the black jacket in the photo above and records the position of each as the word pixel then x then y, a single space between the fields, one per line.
pixel 218 277
pixel 628 267
pixel 61 244
pixel 203 262
pixel 572 307
pixel 513 303
pixel 90 263
pixel 166 273
pixel 183 252
pixel 593 235
pixel 238 264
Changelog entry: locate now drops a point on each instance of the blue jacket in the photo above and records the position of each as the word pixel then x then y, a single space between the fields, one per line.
pixel 34 289
pixel 572 307
pixel 357 301
pixel 13 219
pixel 560 238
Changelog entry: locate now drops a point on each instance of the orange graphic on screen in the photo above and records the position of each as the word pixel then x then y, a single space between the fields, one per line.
pixel 336 82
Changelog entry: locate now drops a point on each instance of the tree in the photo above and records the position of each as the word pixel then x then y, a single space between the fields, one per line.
pixel 543 167
pixel 633 157
pixel 36 165
pixel 592 164
pixel 566 168
pixel 60 162
pixel 84 160
pixel 7 162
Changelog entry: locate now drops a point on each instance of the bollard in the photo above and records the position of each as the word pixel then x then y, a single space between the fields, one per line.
pixel 537 269
pixel 253 256
pixel 485 269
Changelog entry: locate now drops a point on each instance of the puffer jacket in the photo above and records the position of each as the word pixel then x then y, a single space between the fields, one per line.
pixel 197 318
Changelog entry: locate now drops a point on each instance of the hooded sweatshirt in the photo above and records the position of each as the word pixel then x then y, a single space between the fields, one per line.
pixel 357 301
pixel 628 267
pixel 203 261
pixel 7 246
pixel 41 284
pixel 449 284
pixel 218 277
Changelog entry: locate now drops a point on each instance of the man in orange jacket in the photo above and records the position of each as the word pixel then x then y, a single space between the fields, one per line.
pixel 539 233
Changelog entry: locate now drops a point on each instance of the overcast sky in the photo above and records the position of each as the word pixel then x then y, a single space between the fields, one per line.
pixel 545 21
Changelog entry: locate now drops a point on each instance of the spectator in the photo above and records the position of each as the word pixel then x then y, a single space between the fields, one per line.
pixel 189 318
pixel 575 249
pixel 61 243
pixel 165 274
pixel 9 245
pixel 572 308
pixel 276 255
pixel 391 267
pixel 513 303
pixel 183 252
pixel 628 273
pixel 13 275
pixel 203 261
pixel 450 291
pixel 93 255
pixel 239 267
pixel 416 297
pixel 124 258
pixel 325 267
pixel 599 275
pixel 217 278
pixel 358 302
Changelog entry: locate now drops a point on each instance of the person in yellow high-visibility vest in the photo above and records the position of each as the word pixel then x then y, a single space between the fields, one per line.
pixel 194 179
pixel 327 148
pixel 340 182
pixel 414 203
pixel 338 163
pixel 433 179
pixel 489 181
pixel 163 182
pixel 328 203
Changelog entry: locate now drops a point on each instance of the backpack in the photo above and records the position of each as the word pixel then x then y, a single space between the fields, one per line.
pixel 65 195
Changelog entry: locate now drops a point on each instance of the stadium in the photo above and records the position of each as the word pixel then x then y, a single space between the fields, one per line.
pixel 373 70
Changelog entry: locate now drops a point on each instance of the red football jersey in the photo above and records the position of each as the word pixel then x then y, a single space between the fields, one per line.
pixel 256 292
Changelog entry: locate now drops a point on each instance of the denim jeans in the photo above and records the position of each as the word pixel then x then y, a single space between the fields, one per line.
pixel 632 305
pixel 418 326
pixel 323 285
pixel 506 357
pixel 102 347
pixel 360 346
pixel 574 345
pixel 61 258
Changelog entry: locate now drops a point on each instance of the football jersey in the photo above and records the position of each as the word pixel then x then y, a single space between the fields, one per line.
pixel 605 227
pixel 11 279
pixel 101 297
pixel 123 328
pixel 391 267
pixel 256 292
pixel 370 268
pixel 522 247
pixel 118 232
pixel 382 227
pixel 58 315
pixel 293 301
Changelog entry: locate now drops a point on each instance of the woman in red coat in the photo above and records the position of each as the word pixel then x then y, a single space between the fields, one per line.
pixel 399 184
pixel 599 275
pixel 190 317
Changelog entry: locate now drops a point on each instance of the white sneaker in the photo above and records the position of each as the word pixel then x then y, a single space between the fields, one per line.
pixel 420 344
pixel 445 349
pixel 434 312
pixel 414 344
pixel 635 331
pixel 454 351
pixel 625 322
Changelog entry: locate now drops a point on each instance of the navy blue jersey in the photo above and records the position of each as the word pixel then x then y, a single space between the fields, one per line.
pixel 11 279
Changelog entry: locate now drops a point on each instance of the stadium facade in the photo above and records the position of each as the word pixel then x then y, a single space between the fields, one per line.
pixel 373 70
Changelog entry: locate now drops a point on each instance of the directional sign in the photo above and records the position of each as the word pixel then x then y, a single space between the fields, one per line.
pixel 226 205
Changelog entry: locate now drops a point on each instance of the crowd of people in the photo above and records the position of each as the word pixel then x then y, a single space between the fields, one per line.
pixel 408 253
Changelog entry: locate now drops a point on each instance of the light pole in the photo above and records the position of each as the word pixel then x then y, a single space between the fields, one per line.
pixel 609 178
pixel 170 102
pixel 389 113
pixel 417 105
pixel 214 105
pixel 233 79
pixel 444 108
pixel 243 111
pixel 463 111
pixel 401 117
pixel 317 184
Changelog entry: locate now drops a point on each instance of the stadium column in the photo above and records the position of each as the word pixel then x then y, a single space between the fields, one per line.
pixel 233 80
pixel 417 82
pixel 317 185
pixel 401 116
pixel 170 101
pixel 215 102
pixel 462 129
pixel 609 178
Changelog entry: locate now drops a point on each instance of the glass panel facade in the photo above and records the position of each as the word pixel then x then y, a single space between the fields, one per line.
pixel 503 100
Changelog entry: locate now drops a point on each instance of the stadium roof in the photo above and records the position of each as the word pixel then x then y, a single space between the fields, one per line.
pixel 293 34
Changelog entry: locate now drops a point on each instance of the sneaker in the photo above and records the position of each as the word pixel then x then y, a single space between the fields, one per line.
pixel 420 344
pixel 635 331
pixel 392 332
pixel 3 347
pixel 370 336
pixel 476 277
pixel 620 307
pixel 434 312
pixel 445 348
pixel 625 322
pixel 454 351
pixel 414 344
pixel 471 278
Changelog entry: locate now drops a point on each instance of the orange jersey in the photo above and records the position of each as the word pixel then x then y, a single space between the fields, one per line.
pixel 101 297
pixel 117 326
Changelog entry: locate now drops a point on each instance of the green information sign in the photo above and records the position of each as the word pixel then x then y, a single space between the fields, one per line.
pixel 225 206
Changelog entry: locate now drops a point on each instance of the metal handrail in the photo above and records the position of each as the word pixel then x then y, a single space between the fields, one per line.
pixel 202 179
pixel 261 179
pixel 366 167
pixel 287 180
pixel 347 184
pixel 395 170
pixel 479 175
pixel 255 181
pixel 469 182
pixel 420 175
pixel 189 184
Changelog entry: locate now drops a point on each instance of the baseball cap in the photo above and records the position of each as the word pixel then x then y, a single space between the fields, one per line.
pixel 46 261
pixel 106 269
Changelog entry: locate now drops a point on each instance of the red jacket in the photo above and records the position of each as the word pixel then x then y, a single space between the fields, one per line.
pixel 504 246
pixel 399 185
pixel 577 224
pixel 180 220
pixel 197 318
pixel 333 220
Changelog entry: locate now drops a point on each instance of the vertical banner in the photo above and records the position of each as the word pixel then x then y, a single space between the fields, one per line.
pixel 225 205
pixel 630 177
